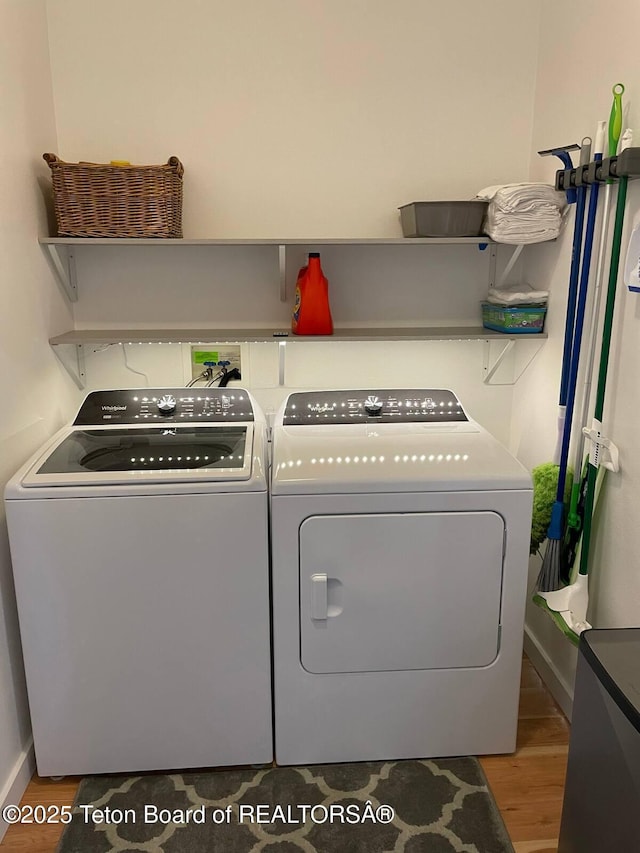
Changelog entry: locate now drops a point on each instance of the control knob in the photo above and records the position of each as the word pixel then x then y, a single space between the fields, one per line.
pixel 373 405
pixel 166 404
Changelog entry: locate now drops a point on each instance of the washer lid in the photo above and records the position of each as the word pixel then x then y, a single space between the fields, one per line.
pixel 149 454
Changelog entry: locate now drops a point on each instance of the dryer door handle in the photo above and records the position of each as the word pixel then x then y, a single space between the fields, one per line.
pixel 319 597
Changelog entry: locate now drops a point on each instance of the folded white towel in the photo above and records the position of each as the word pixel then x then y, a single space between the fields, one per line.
pixel 520 231
pixel 523 213
pixel 519 294
pixel 523 197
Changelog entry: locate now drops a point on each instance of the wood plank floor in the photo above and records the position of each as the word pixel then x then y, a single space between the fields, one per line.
pixel 527 785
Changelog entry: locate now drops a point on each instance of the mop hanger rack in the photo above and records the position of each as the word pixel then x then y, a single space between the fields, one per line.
pixel 625 164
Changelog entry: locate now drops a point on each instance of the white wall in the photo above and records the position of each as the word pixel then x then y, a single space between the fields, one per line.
pixel 33 390
pixel 578 65
pixel 299 118
pixel 296 118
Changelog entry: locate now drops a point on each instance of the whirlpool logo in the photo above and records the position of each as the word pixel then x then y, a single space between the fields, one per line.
pixel 322 407
pixel 114 408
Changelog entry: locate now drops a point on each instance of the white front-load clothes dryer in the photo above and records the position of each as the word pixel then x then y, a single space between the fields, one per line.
pixel 139 542
pixel 400 540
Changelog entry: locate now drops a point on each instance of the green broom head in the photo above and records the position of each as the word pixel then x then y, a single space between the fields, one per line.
pixel 545 485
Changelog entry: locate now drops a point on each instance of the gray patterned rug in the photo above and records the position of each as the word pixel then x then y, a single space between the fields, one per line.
pixel 441 806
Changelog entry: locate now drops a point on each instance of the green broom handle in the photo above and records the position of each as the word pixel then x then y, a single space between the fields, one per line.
pixel 592 474
pixel 611 298
pixel 607 327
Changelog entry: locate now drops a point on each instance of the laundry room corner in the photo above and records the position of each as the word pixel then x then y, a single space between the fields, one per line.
pixel 246 161
pixel 533 436
pixel 269 441
pixel 566 108
pixel 35 391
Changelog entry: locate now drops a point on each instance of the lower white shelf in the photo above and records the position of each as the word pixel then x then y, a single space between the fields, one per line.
pixel 194 336
pixel 70 347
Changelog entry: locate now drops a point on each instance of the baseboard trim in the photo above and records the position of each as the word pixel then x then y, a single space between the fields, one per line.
pixel 561 691
pixel 17 781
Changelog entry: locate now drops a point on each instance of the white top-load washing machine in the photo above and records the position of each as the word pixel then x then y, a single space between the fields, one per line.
pixel 139 542
pixel 400 541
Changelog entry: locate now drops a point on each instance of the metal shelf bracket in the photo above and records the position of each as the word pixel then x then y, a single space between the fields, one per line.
pixel 63 264
pixel 493 258
pixel 489 370
pixel 517 250
pixel 71 357
pixel 282 360
pixel 282 265
pixel 494 281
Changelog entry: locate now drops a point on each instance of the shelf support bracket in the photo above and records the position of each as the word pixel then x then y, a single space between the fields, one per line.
pixel 64 271
pixel 493 258
pixel 489 370
pixel 512 262
pixel 71 357
pixel 282 353
pixel 282 265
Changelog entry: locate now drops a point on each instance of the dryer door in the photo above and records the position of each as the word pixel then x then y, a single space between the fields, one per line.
pixel 399 591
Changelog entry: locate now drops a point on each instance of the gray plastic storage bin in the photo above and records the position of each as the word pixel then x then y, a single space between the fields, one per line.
pixel 443 218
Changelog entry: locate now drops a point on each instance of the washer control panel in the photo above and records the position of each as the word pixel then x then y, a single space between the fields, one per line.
pixel 401 405
pixel 172 405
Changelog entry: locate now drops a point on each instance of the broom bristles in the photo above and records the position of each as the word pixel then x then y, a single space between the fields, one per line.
pixel 549 577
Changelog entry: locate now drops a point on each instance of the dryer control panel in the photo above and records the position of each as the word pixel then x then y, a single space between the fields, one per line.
pixel 400 405
pixel 173 405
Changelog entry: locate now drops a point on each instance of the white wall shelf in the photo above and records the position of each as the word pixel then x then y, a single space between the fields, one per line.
pixel 99 337
pixel 323 241
pixel 71 346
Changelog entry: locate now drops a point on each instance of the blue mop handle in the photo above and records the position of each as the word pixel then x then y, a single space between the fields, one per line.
pixel 577 333
pixel 569 326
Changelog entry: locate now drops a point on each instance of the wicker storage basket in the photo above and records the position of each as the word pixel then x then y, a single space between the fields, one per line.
pixel 99 200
